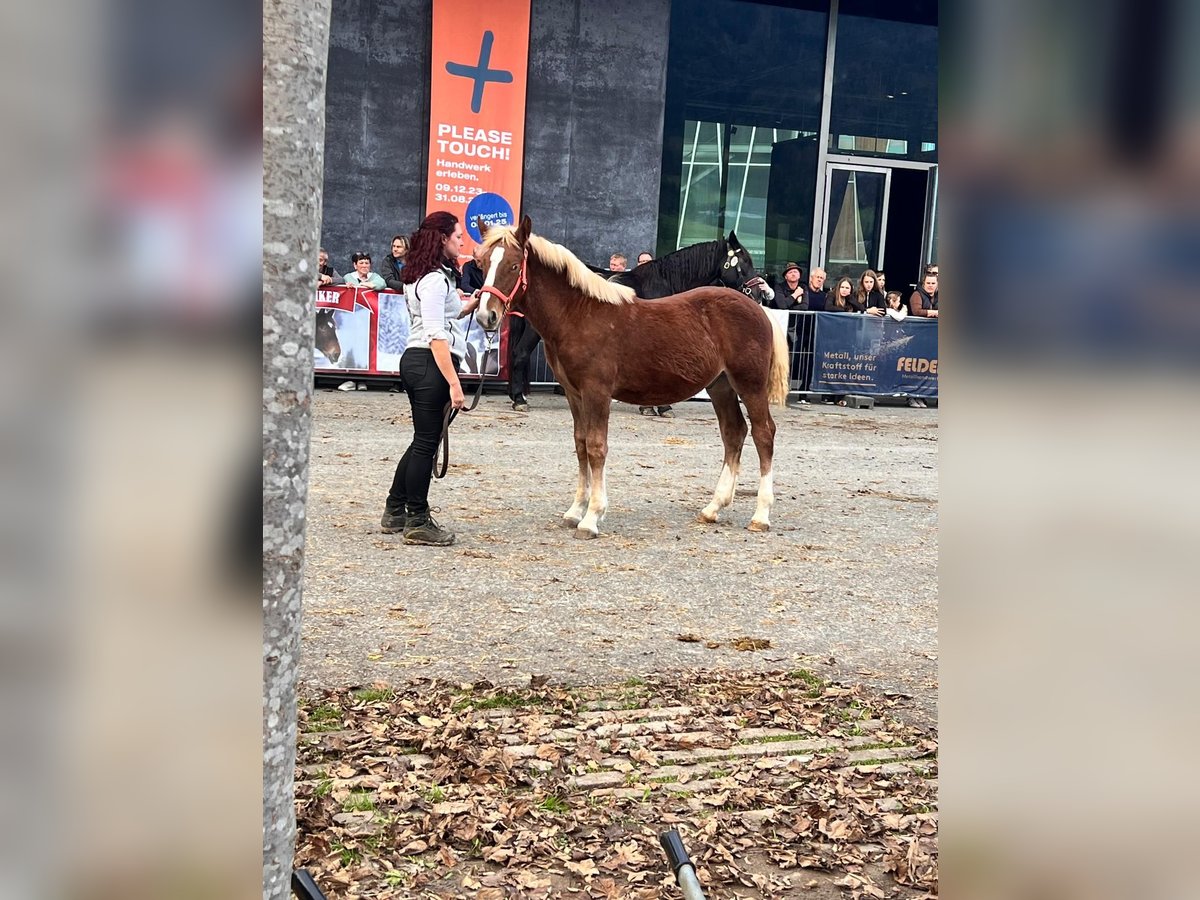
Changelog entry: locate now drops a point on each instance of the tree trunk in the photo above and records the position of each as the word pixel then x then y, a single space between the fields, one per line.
pixel 295 55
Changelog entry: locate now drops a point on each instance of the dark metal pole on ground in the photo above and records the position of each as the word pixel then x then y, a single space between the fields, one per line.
pixel 304 887
pixel 685 872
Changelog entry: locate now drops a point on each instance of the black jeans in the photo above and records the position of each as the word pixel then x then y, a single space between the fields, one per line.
pixel 428 393
pixel 522 341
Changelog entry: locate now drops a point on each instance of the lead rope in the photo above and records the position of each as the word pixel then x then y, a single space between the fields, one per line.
pixel 449 412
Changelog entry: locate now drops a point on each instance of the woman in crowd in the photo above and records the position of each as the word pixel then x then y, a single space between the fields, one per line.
pixel 895 306
pixel 429 371
pixel 881 282
pixel 394 262
pixel 868 296
pixel 842 297
pixel 362 276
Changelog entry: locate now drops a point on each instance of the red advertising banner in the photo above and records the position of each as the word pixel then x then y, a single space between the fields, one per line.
pixel 477 111
pixel 365 332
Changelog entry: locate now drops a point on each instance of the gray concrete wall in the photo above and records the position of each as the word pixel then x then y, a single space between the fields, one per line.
pixel 593 144
pixel 376 124
pixel 594 121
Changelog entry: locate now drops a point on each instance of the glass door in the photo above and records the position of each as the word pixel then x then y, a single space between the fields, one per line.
pixel 931 218
pixel 854 219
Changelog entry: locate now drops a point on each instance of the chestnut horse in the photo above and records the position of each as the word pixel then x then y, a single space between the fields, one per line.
pixel 604 342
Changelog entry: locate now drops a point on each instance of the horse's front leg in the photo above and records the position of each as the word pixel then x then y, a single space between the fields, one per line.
pixel 596 440
pixel 576 510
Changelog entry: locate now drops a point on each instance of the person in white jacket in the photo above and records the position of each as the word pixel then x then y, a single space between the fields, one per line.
pixel 429 371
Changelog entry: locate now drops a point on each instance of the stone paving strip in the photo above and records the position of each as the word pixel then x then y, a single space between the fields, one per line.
pixel 679 771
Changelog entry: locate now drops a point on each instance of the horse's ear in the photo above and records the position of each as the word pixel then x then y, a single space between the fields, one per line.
pixel 524 229
pixel 733 241
pixel 483 229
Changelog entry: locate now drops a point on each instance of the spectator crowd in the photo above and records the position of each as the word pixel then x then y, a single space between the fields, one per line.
pixel 868 295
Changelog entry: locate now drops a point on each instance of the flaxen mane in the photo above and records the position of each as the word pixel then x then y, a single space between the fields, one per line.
pixel 559 258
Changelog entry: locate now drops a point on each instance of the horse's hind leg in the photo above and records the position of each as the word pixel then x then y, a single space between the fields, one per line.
pixel 578 508
pixel 762 430
pixel 733 436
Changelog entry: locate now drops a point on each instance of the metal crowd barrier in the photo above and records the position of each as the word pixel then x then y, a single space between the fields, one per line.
pixel 801 329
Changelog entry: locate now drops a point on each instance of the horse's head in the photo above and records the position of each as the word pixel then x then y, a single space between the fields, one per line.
pixel 326 337
pixel 738 272
pixel 505 265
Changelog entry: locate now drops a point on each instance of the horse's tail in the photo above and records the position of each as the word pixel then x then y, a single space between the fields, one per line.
pixel 777 390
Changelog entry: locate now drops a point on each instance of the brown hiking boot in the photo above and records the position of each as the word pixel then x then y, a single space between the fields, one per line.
pixel 422 529
pixel 393 523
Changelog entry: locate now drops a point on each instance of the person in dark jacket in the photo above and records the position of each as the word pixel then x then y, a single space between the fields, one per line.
pixel 326 274
pixel 842 299
pixel 473 275
pixel 814 293
pixel 867 296
pixel 790 294
pixel 924 300
pixel 393 263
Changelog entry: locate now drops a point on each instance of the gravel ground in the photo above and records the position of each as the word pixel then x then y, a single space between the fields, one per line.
pixel 845 583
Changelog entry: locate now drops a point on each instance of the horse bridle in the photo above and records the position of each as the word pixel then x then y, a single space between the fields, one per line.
pixel 507 300
pixel 449 412
pixel 747 286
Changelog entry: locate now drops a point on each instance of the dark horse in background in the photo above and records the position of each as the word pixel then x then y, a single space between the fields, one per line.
pixel 604 342
pixel 722 262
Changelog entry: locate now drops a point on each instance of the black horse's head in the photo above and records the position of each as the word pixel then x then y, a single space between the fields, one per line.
pixel 738 272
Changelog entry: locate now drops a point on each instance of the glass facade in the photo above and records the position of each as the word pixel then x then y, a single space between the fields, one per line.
pixel 743 109
pixel 742 130
pixel 884 86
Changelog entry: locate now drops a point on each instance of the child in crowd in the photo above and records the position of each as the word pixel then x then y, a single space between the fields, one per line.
pixel 895 306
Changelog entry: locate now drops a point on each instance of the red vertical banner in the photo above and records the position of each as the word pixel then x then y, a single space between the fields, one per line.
pixel 477 111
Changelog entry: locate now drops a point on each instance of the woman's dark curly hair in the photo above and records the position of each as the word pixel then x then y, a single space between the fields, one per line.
pixel 425 252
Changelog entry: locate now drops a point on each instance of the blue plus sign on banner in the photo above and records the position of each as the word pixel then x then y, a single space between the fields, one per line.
pixel 488 209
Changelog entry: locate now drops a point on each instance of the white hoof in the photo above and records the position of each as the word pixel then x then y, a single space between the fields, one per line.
pixel 706 517
pixel 758 526
pixel 586 534
pixel 571 521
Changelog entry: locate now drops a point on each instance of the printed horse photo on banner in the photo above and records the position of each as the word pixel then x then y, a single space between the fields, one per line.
pixel 392 337
pixel 480 360
pixel 604 342
pixel 343 339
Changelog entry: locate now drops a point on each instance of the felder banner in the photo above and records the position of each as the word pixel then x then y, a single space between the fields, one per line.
pixel 477 111
pixel 860 354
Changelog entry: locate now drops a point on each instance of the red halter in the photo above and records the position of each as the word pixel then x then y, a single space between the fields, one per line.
pixel 506 300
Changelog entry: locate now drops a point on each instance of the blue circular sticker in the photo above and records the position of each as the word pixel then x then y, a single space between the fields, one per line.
pixel 490 209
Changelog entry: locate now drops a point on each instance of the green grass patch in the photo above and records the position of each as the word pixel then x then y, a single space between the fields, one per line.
pixel 359 801
pixel 349 855
pixel 776 738
pixel 635 681
pixel 502 700
pixel 324 787
pixel 555 804
pixel 373 694
pixel 434 793
pixel 814 682
pixel 325 717
pixel 879 745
